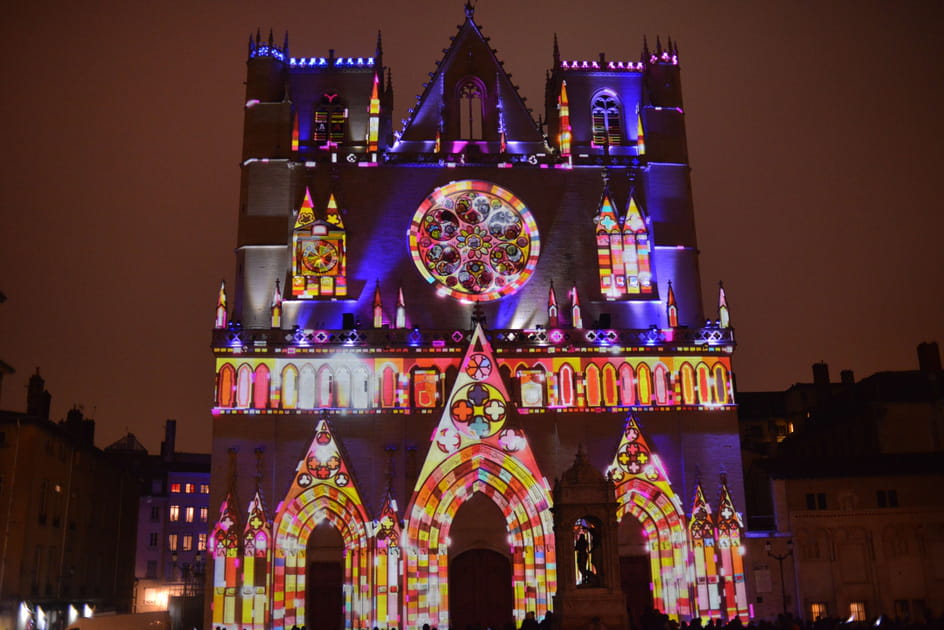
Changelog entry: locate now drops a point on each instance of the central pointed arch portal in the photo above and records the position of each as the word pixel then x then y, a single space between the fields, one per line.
pixel 525 504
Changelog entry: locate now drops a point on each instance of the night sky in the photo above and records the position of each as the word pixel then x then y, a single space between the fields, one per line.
pixel 814 129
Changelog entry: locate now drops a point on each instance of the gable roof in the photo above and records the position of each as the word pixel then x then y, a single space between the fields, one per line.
pixel 470 56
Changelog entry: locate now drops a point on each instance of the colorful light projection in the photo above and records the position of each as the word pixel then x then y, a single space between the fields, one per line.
pixel 323 490
pixel 373 113
pixel 388 566
pixel 257 561
pixel 701 530
pixel 563 107
pixel 377 383
pixel 221 315
pixel 622 251
pixel 225 551
pixel 671 308
pixel 319 266
pixel 640 137
pixel 474 241
pixel 730 530
pixel 643 490
pixel 473 451
pixel 276 306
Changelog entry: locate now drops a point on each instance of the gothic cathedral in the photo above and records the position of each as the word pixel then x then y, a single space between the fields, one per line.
pixel 465 373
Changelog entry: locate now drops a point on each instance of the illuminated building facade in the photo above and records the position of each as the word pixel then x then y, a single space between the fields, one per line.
pixel 428 324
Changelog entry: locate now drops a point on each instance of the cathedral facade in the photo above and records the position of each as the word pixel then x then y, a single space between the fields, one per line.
pixel 429 324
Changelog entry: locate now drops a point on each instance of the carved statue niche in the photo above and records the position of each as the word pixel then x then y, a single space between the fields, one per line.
pixel 588 579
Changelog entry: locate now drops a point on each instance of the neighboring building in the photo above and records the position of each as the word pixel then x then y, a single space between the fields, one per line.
pixel 172 520
pixel 852 493
pixel 67 518
pixel 426 327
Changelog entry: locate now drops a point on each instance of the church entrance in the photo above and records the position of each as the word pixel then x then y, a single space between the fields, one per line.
pixel 481 595
pixel 324 595
pixel 635 568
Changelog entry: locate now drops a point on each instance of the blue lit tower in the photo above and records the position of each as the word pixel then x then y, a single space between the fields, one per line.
pixel 429 323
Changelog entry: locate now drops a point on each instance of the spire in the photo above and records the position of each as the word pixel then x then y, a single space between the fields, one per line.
pixel 658 47
pixel 332 215
pixel 563 105
pixel 221 315
pixel 575 318
pixel 295 133
pixel 553 318
pixel 400 320
pixel 645 50
pixel 277 305
pixel 640 137
pixel 373 113
pixel 378 306
pixel 469 10
pixel 724 315
pixel 378 52
pixel 306 214
pixel 285 46
pixel 671 308
pixel 556 53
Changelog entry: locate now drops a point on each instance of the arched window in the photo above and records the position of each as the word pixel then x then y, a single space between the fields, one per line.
pixel 704 384
pixel 644 379
pixel 661 385
pixel 687 374
pixel 471 97
pixel 330 120
pixel 243 385
pixel 565 385
pixel 226 386
pixel 721 384
pixel 342 386
pixel 609 385
pixel 388 388
pixel 360 389
pixel 606 112
pixel 289 387
pixel 626 386
pixel 260 387
pixel 592 376
pixel 306 387
pixel 325 387
pixel 425 382
pixel 531 385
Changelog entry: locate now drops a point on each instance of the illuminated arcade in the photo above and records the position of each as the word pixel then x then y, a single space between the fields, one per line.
pixel 431 321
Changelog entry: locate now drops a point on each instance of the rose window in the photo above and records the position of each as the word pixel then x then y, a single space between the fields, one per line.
pixel 474 241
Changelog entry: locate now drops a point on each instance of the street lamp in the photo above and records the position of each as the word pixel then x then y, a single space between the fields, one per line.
pixel 780 557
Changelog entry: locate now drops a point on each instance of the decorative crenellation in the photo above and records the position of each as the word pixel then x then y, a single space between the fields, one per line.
pixel 332 62
pixel 612 66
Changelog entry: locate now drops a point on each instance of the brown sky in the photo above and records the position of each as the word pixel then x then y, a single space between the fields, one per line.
pixel 815 133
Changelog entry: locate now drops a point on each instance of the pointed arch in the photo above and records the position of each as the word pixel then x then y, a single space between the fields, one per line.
pixel 360 388
pixel 606 113
pixel 425 387
pixel 243 386
pixel 592 385
pixel 226 386
pixel 388 387
pixel 342 387
pixel 565 386
pixel 260 387
pixel 306 387
pixel 525 503
pixel 660 385
pixel 644 381
pixel 610 390
pixel 720 383
pixel 627 387
pixel 687 376
pixel 471 97
pixel 290 379
pixel 532 385
pixel 704 384
pixel 324 394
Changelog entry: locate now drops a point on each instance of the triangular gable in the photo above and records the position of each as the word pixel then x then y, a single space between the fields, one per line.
pixel 729 521
pixel 470 56
pixel 701 525
pixel 606 218
pixel 635 462
pixel 306 214
pixel 225 536
pixel 324 465
pixel 258 529
pixel 388 525
pixel 476 412
pixel 634 221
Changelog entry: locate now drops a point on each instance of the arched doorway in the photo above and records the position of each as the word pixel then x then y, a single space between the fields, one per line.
pixel 324 596
pixel 481 593
pixel 635 567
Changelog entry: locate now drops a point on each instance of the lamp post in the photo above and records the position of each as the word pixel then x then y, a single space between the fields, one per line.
pixel 780 557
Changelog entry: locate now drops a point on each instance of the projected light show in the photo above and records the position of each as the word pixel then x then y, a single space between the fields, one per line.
pixel 417 403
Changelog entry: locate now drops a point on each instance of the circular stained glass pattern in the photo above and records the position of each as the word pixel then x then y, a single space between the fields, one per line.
pixel 319 256
pixel 474 241
pixel 479 408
